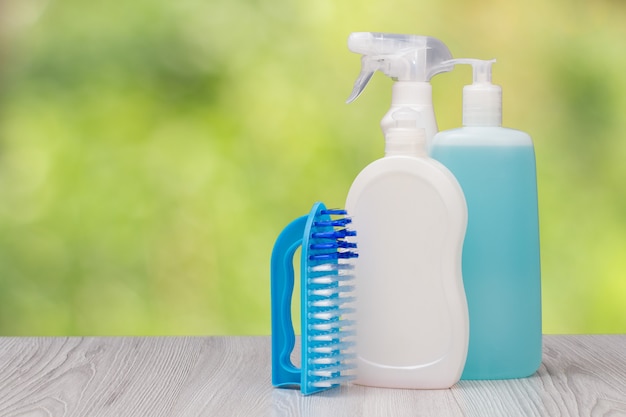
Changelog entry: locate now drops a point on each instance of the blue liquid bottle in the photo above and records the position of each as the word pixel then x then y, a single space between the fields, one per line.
pixel 501 268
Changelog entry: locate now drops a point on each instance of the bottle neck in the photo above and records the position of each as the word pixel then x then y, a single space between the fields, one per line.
pixel 418 96
pixel 411 93
pixel 482 105
pixel 405 142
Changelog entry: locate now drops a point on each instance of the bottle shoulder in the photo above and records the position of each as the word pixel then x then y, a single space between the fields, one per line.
pixel 397 172
pixel 390 165
pixel 482 136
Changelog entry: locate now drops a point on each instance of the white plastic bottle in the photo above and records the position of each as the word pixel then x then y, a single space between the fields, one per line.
pixel 410 214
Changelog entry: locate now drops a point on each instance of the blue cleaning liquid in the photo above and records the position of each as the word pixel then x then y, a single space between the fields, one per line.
pixel 501 265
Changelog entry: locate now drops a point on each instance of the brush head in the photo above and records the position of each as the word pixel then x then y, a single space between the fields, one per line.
pixel 327 265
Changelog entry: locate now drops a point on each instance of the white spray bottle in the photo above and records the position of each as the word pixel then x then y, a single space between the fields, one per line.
pixel 410 213
pixel 411 61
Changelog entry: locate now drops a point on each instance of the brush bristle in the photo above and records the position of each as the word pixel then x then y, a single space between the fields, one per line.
pixel 330 298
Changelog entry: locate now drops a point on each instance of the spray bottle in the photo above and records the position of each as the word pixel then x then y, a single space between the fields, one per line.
pixel 410 213
pixel 410 60
pixel 501 268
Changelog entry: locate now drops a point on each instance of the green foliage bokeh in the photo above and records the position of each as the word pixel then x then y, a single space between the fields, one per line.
pixel 151 151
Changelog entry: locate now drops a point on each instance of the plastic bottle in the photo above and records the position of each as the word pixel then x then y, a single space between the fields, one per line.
pixel 501 268
pixel 410 215
pixel 411 60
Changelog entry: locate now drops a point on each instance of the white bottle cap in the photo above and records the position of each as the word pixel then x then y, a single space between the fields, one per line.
pixel 406 137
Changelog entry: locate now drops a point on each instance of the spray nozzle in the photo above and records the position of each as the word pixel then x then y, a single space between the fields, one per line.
pixel 401 57
pixel 482 101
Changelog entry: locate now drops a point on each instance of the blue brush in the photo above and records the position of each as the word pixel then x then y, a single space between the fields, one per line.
pixel 325 283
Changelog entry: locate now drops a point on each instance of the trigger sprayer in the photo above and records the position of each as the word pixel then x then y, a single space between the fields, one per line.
pixel 411 61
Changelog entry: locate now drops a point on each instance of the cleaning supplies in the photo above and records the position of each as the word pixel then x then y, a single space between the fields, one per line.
pixel 412 319
pixel 501 270
pixel 327 355
pixel 411 60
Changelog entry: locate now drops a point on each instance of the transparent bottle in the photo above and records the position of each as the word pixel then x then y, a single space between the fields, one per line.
pixel 495 167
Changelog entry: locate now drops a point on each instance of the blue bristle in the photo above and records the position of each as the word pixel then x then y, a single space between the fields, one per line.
pixel 335 234
pixel 325 279
pixel 333 223
pixel 333 212
pixel 331 382
pixel 323 314
pixel 321 328
pixel 326 291
pixel 331 268
pixel 333 255
pixel 333 245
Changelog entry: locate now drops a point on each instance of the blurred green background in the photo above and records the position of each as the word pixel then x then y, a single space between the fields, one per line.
pixel 151 151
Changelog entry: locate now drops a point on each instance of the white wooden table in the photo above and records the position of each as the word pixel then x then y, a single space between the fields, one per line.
pixel 230 376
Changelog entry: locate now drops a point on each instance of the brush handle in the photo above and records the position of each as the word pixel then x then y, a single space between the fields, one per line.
pixel 283 336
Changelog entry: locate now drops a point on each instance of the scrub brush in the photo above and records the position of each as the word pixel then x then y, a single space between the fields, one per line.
pixel 327 342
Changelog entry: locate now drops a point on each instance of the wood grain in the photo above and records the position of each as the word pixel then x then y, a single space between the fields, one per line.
pixel 230 376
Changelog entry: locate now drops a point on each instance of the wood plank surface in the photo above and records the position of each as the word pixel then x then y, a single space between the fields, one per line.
pixel 230 376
